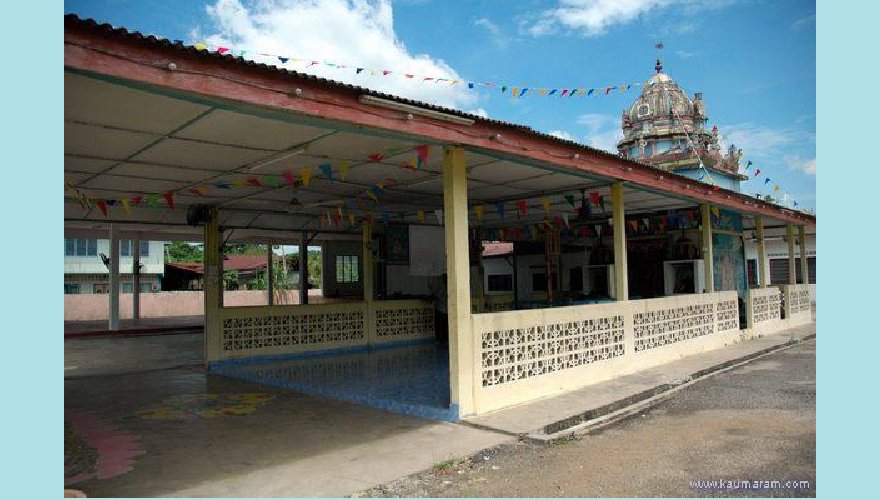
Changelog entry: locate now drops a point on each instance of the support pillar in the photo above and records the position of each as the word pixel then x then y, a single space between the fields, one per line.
pixel 213 288
pixel 462 373
pixel 762 254
pixel 114 277
pixel 367 252
pixel 805 268
pixel 270 274
pixel 621 280
pixel 304 269
pixel 136 277
pixel 708 258
pixel 792 272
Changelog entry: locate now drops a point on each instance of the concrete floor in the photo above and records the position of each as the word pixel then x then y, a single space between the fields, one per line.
pixel 755 423
pixel 136 430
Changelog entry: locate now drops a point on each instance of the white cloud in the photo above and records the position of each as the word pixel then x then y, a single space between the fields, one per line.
pixel 479 112
pixel 685 54
pixel 805 165
pixel 603 131
pixel 562 134
pixel 358 33
pixel 803 22
pixel 761 143
pixel 594 17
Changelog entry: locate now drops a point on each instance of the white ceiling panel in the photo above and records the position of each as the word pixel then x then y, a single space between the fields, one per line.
pixel 127 184
pixel 94 101
pixel 494 191
pixel 240 129
pixel 77 164
pixel 354 146
pixel 88 140
pixel 199 155
pixel 161 172
pixel 502 172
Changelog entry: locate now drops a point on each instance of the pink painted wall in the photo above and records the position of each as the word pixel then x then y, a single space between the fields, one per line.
pixel 88 307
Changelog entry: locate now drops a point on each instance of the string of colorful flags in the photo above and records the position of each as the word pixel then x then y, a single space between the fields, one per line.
pixel 292 178
pixel 768 182
pixel 515 91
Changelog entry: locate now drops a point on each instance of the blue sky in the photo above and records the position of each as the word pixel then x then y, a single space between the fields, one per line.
pixel 754 61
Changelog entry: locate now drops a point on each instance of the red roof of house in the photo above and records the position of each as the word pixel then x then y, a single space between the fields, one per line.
pixel 235 262
pixel 497 248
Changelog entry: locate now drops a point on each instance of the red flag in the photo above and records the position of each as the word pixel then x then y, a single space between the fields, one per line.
pixel 222 50
pixel 253 181
pixel 757 172
pixel 421 154
pixel 594 197
pixel 169 198
pixel 290 178
pixel 103 206
pixel 522 207
pixel 198 191
pixel 137 200
pixel 377 157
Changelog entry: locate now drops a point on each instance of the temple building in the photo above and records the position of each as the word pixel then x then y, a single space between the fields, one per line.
pixel 666 129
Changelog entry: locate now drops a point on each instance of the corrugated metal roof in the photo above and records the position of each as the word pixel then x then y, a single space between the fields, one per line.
pixel 108 30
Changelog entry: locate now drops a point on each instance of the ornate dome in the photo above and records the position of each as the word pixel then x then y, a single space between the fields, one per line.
pixel 665 128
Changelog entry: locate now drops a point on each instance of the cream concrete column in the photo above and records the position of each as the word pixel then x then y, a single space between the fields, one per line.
pixel 805 268
pixel 621 279
pixel 367 252
pixel 304 269
pixel 708 259
pixel 136 277
pixel 213 288
pixel 792 272
pixel 462 372
pixel 114 277
pixel 270 275
pixel 762 255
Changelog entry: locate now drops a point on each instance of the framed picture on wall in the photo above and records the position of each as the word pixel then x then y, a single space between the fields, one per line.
pixel 397 244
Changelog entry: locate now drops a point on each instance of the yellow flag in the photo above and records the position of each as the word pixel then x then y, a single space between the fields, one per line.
pixel 351 219
pixel 776 187
pixel 201 46
pixel 514 92
pixel 306 174
pixel 546 202
pixel 478 211
pixel 623 88
pixel 716 211
pixel 125 205
pixel 544 91
pixel 343 169
pixel 421 216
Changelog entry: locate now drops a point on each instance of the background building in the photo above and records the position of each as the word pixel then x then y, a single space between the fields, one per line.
pixel 85 271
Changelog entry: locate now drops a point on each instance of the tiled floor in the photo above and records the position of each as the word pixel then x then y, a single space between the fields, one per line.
pixel 413 380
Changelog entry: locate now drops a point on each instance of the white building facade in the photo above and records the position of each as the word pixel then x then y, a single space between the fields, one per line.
pixel 85 271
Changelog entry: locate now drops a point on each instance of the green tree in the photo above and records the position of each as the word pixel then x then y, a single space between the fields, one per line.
pixel 181 251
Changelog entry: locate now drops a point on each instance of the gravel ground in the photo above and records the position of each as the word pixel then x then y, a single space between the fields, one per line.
pixel 753 423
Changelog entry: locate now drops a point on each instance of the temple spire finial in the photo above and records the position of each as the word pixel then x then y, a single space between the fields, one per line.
pixel 659 66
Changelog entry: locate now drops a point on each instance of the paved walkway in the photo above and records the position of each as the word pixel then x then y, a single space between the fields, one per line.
pixel 535 416
pixel 132 326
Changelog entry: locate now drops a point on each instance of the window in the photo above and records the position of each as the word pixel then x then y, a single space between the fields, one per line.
pixel 752 271
pixel 100 288
pixel 71 288
pixel 127 287
pixel 347 269
pixel 539 282
pixel 75 247
pixel 125 248
pixel 500 283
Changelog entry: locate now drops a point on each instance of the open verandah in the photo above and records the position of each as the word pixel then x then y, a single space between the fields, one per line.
pixel 615 266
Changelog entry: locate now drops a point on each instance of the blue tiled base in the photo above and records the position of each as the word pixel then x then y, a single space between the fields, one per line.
pixel 412 379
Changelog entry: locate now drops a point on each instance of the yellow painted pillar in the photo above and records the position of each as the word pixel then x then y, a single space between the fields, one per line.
pixel 213 288
pixel 762 254
pixel 462 372
pixel 792 272
pixel 367 256
pixel 708 258
pixel 367 252
pixel 805 268
pixel 621 280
